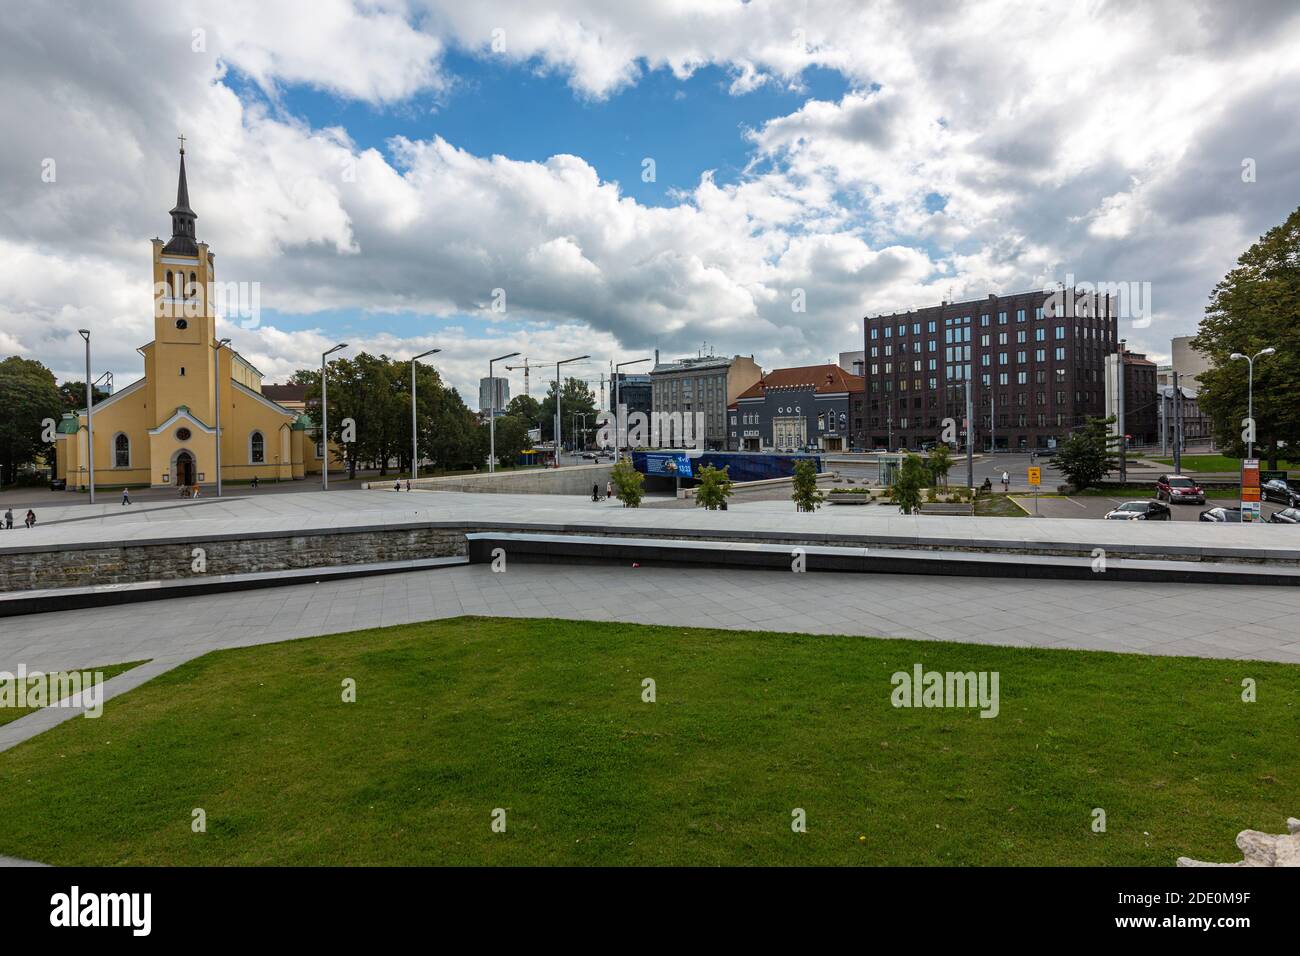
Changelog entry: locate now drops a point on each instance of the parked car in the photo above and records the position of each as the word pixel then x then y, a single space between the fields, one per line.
pixel 1229 515
pixel 1286 491
pixel 1285 516
pixel 1140 511
pixel 1179 488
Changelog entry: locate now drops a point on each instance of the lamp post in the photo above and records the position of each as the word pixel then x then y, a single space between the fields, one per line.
pixel 415 444
pixel 90 424
pixel 619 426
pixel 1250 393
pixel 492 411
pixel 558 389
pixel 325 417
pixel 216 384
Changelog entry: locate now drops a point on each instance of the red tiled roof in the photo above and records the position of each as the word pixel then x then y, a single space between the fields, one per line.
pixel 821 378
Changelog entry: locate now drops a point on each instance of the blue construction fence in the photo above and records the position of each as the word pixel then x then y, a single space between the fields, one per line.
pixel 741 466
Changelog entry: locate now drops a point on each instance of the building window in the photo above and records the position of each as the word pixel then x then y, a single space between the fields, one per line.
pixel 256 449
pixel 121 451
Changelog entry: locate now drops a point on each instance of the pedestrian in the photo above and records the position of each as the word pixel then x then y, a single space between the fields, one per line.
pixel 595 491
pixel 609 489
pixel 194 492
pixel 254 483
pixel 397 485
pixel 408 484
pixel 31 518
pixel 126 497
pixel 9 519
pixel 1006 482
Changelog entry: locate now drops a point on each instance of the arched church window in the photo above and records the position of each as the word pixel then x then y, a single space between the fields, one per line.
pixel 121 451
pixel 256 448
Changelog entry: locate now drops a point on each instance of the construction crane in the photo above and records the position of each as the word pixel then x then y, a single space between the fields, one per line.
pixel 514 368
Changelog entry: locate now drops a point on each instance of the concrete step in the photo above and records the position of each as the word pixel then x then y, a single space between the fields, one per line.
pixel 607 549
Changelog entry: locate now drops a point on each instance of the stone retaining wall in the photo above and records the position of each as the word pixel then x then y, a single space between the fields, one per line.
pixel 165 561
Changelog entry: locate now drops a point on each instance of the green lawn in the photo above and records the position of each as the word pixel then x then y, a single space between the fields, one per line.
pixel 545 719
pixel 109 671
pixel 1192 463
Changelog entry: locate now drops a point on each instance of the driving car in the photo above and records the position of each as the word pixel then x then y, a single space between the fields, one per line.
pixel 1140 511
pixel 1179 488
pixel 1229 515
pixel 1284 490
pixel 1285 516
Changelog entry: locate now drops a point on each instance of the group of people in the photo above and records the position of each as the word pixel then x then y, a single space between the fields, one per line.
pixel 397 485
pixel 8 523
pixel 595 490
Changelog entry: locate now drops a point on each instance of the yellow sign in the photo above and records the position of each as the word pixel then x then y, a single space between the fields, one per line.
pixel 1034 474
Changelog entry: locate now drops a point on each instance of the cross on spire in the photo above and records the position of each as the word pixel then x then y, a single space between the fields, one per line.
pixel 182 139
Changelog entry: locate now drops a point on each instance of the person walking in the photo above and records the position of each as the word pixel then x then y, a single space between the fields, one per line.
pixel 397 485
pixel 595 491
pixel 408 484
pixel 254 481
pixel 1006 482
pixel 9 519
pixel 609 489
pixel 126 496
pixel 30 521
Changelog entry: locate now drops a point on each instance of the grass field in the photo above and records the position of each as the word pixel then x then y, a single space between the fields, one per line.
pixel 8 714
pixel 545 719
pixel 1196 463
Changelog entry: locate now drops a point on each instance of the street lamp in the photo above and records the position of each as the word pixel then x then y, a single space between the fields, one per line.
pixel 492 411
pixel 90 425
pixel 415 446
pixel 325 418
pixel 619 427
pixel 216 384
pixel 576 358
pixel 1250 393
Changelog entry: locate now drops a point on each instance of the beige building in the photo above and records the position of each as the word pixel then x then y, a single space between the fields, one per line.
pixel 161 429
pixel 1187 362
pixel 705 384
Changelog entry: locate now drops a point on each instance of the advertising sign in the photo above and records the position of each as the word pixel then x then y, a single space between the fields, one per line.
pixel 1250 490
pixel 669 465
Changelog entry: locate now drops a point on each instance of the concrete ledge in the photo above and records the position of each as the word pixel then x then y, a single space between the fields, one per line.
pixel 16 603
pixel 661 551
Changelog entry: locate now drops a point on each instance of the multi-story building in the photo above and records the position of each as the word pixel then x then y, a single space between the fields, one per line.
pixel 1141 411
pixel 1034 361
pixel 704 384
pixel 493 393
pixel 854 362
pixel 1187 362
pixel 634 391
pixel 793 409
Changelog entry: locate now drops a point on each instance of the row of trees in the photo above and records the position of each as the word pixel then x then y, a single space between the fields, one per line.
pixel 28 396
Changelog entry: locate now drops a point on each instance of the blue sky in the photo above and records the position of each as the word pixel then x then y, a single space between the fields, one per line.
pixel 496 106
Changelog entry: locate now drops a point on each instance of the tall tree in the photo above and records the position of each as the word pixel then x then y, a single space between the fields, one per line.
pixel 575 401
pixel 511 439
pixel 73 394
pixel 1256 306
pixel 28 396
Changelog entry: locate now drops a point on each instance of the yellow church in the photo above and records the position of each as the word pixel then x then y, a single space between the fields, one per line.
pixel 162 429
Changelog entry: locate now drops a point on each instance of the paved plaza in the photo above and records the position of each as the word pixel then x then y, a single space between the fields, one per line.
pixel 286 513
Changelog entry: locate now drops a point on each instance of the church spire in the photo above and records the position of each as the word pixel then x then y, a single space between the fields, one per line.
pixel 182 240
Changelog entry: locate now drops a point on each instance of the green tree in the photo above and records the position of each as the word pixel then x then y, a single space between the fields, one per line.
pixel 714 488
pixel 804 491
pixel 627 483
pixel 28 396
pixel 912 478
pixel 1256 306
pixel 511 439
pixel 939 464
pixel 577 400
pixel 1089 454
pixel 73 394
pixel 528 409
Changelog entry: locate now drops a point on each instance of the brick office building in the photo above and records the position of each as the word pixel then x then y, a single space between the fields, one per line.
pixel 1035 361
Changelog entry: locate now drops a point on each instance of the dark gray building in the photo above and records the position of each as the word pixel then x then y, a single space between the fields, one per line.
pixel 634 391
pixel 790 409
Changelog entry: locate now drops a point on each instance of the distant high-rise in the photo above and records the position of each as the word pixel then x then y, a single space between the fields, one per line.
pixel 487 400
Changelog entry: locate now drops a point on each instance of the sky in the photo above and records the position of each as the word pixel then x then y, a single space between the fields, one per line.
pixel 576 176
